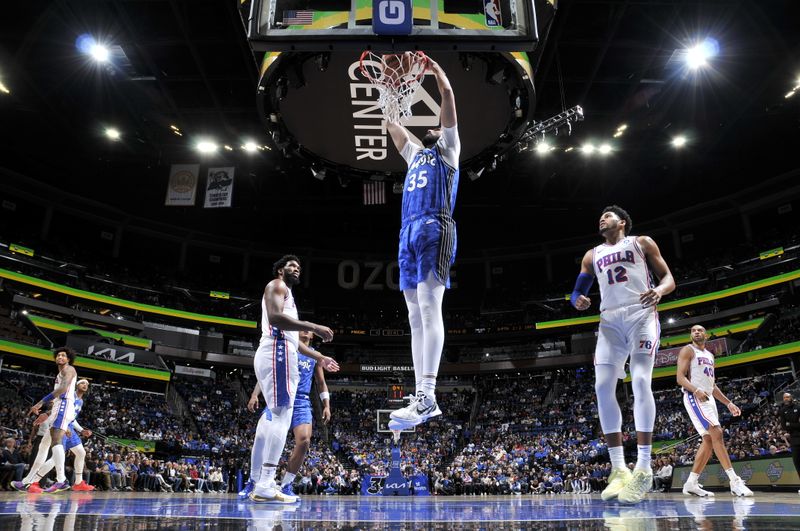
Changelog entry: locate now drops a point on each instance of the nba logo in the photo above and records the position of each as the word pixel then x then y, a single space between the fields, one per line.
pixel 493 17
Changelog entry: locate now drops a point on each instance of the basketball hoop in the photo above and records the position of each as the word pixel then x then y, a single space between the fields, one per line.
pixel 396 436
pixel 397 76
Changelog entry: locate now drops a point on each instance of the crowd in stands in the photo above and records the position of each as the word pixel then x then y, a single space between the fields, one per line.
pixel 520 435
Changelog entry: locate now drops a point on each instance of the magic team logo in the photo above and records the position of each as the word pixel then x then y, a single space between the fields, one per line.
pixel 747 472
pixel 304 364
pixel 774 471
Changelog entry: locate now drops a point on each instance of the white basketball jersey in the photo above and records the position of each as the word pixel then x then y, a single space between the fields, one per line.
pixel 622 273
pixel 290 309
pixel 701 373
pixel 69 395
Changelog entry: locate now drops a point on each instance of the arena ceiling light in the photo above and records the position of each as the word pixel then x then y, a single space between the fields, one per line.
pixel 698 55
pixel 679 141
pixel 206 146
pixel 100 53
pixel 4 89
pixel 543 148
pixel 587 149
pixel 250 146
pixel 112 133
pixel 604 149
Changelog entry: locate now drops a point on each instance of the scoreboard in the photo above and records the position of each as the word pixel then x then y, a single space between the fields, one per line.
pixel 396 392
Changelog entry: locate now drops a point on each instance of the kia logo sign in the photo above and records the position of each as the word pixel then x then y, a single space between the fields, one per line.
pixel 392 17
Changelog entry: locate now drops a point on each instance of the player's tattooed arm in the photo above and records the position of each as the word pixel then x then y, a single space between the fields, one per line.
pixel 666 284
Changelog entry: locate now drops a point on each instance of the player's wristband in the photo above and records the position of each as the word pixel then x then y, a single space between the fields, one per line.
pixel 325 396
pixel 582 286
pixel 47 398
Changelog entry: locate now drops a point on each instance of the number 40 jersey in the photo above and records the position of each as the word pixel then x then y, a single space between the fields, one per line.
pixel 622 273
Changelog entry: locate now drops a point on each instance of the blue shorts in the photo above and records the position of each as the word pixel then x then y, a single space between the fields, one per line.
pixel 426 244
pixel 302 412
pixel 71 441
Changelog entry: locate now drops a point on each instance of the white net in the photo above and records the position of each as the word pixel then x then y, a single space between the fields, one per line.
pixel 397 77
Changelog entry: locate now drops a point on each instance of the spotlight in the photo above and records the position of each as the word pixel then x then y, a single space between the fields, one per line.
pixel 227 147
pixel 542 148
pixel 206 146
pixel 318 174
pixel 475 175
pixel 622 127
pixel 569 149
pixel 587 149
pixel 679 141
pixel 99 52
pixel 671 320
pixel 618 134
pixel 4 89
pixel 698 55
pixel 604 149
pixel 787 96
pixel 250 147
pixel 112 133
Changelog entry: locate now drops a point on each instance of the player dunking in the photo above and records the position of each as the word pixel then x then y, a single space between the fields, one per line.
pixel 427 245
pixel 301 413
pixel 277 370
pixel 696 376
pixel 72 442
pixel 61 414
pixel 629 328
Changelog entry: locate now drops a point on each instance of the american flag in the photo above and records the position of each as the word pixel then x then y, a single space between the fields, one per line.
pixel 298 18
pixel 374 193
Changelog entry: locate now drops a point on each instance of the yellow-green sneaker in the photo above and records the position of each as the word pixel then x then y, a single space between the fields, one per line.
pixel 635 489
pixel 616 482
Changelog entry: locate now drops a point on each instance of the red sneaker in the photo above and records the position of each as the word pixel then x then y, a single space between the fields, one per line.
pixel 83 486
pixel 35 488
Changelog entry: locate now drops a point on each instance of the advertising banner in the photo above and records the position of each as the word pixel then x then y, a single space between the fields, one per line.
pixel 764 472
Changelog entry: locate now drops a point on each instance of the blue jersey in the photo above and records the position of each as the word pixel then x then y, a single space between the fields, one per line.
pixel 305 366
pixel 431 182
pixel 78 406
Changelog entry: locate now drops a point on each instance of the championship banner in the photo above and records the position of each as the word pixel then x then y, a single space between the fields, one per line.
pixel 219 187
pixel 765 472
pixel 667 357
pixel 182 185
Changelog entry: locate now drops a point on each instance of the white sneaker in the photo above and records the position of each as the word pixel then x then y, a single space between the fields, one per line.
pixel 692 487
pixel 271 494
pixel 738 488
pixel 418 411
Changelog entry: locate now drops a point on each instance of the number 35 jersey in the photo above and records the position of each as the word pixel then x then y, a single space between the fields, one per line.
pixel 431 182
pixel 622 273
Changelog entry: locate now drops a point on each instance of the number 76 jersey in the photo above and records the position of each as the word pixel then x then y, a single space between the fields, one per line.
pixel 622 273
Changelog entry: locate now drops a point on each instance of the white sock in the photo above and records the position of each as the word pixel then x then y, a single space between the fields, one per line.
pixel 643 457
pixel 731 474
pixel 288 477
pixel 58 458
pixel 617 456
pixel 693 477
pixel 257 453
pixel 417 335
pixel 267 478
pixel 41 457
pixel 430 294
pixel 429 387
